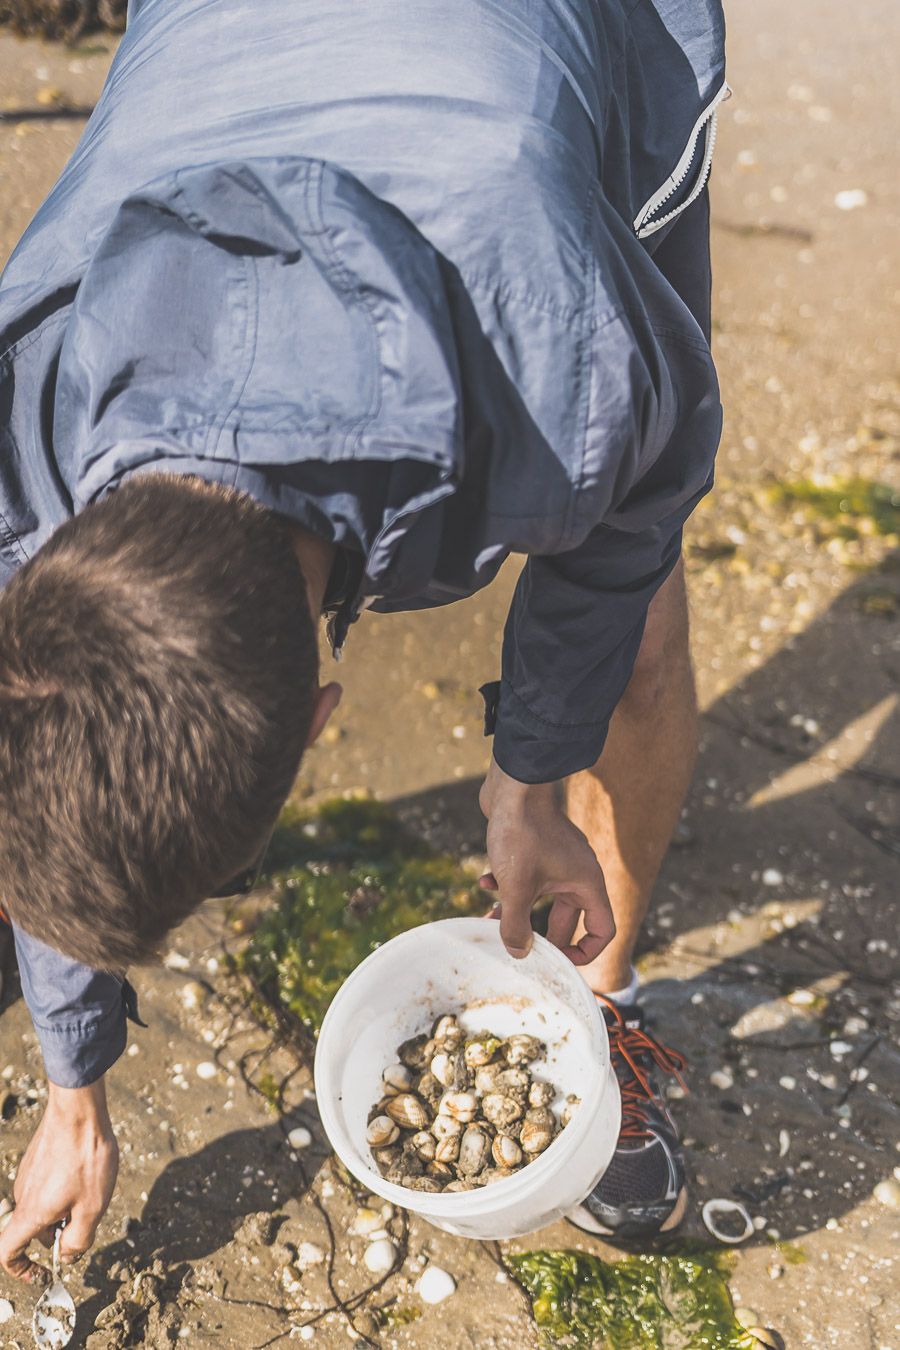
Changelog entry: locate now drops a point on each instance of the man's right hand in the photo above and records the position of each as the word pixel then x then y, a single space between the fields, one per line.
pixel 68 1172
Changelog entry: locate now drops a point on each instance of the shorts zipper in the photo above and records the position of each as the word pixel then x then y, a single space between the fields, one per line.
pixel 647 220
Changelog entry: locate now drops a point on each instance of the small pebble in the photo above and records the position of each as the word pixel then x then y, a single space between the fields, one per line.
pixel 380 1256
pixel 435 1285
pixel 366 1221
pixel 7 1311
pixel 801 998
pixel 888 1193
pixel 775 1270
pixel 299 1137
pixel 305 1333
pixel 722 1079
pixel 840 1048
pixel 787 1082
pixel 746 1317
pixel 772 877
pixel 308 1254
pixel 206 1069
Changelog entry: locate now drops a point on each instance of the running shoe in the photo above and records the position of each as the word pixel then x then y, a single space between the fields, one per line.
pixel 643 1192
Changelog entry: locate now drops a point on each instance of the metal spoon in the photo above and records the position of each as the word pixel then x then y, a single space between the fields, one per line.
pixel 53 1322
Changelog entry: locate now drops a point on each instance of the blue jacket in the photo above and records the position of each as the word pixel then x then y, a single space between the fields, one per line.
pixel 429 278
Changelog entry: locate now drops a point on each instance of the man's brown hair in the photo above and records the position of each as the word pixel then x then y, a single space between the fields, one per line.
pixel 158 665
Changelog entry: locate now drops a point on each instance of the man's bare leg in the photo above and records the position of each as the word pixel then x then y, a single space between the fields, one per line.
pixel 628 804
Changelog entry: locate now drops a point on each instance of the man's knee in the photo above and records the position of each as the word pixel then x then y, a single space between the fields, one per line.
pixel 663 659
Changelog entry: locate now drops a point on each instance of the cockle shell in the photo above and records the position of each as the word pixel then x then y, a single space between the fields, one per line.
pixel 487 1079
pixel 460 1185
pixel 439 1170
pixel 461 1105
pixel 473 1151
pixel 424 1144
pixel 492 1174
pixel 447 1150
pixel 396 1078
pixel 506 1151
pixel 514 1081
pixel 522 1049
pixel 450 1069
pixel 409 1111
pixel 381 1131
pixel 537 1130
pixel 500 1109
pixel 446 1127
pixel 422 1184
pixel 429 1088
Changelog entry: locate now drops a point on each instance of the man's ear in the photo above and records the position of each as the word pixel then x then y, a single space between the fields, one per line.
pixel 326 700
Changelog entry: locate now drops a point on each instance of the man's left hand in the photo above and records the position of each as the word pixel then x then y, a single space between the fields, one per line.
pixel 535 852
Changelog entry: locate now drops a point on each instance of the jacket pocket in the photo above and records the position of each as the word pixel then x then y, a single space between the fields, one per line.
pixel 689 177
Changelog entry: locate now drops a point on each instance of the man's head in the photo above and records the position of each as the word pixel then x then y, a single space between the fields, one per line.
pixel 158 684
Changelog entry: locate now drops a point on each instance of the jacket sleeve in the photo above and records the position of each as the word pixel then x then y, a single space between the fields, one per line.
pixel 79 1014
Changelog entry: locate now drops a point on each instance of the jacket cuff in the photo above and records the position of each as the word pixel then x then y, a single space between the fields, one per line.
pixel 532 750
pixel 77 1053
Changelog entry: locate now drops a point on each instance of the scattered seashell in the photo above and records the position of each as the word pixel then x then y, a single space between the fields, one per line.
pixel 408 1110
pixel 7 1311
pixel 746 1317
pixel 839 1048
pixel 206 1069
pixel 762 1336
pixel 888 1193
pixel 366 1221
pixel 506 1152
pixel 775 1269
pixel 380 1256
pixel 380 1131
pixel 446 1127
pixel 501 1109
pixel 473 1151
pixel 787 1082
pixel 713 1208
pixel 784 1143
pixel 396 1078
pixel 435 1285
pixel 722 1079
pixel 772 877
pixel 460 1105
pixel 192 994
pixel 522 1049
pixel 300 1137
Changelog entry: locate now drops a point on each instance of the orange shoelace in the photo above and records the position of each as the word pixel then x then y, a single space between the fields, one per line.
pixel 637 1093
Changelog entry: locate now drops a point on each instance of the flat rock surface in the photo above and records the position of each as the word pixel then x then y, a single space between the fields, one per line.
pixel 770 956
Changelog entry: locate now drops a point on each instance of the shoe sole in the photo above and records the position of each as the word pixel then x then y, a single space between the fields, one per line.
pixel 588 1224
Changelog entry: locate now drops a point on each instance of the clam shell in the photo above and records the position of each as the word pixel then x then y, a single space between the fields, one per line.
pixel 424 1144
pixel 450 1070
pixel 440 1170
pixel 447 1032
pixel 381 1131
pixel 429 1088
pixel 506 1152
pixel 713 1208
pixel 480 1050
pixel 460 1185
pixel 522 1049
pixel 409 1111
pixel 540 1094
pixel 487 1079
pixel 446 1127
pixel 492 1174
pixel 537 1130
pixel 514 1081
pixel 474 1150
pixel 447 1150
pixel 396 1078
pixel 461 1105
pixel 500 1109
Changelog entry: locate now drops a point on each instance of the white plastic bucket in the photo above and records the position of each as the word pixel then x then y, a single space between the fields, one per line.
pixel 445 967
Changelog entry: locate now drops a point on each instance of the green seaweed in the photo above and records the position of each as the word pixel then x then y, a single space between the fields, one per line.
pixel 642 1302
pixel 845 504
pixel 346 878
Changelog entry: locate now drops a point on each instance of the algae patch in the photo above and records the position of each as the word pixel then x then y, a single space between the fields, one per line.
pixel 645 1302
pixel 844 507
pixel 346 878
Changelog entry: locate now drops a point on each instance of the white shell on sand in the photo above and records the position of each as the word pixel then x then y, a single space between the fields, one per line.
pixel 7 1311
pixel 299 1137
pixel 380 1256
pixel 308 1254
pixel 710 1213
pixel 435 1285
pixel 206 1069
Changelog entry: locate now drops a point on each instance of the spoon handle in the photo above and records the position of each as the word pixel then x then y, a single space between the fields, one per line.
pixel 56 1239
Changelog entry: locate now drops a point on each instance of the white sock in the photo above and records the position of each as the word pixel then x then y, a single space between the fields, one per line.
pixel 628 994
